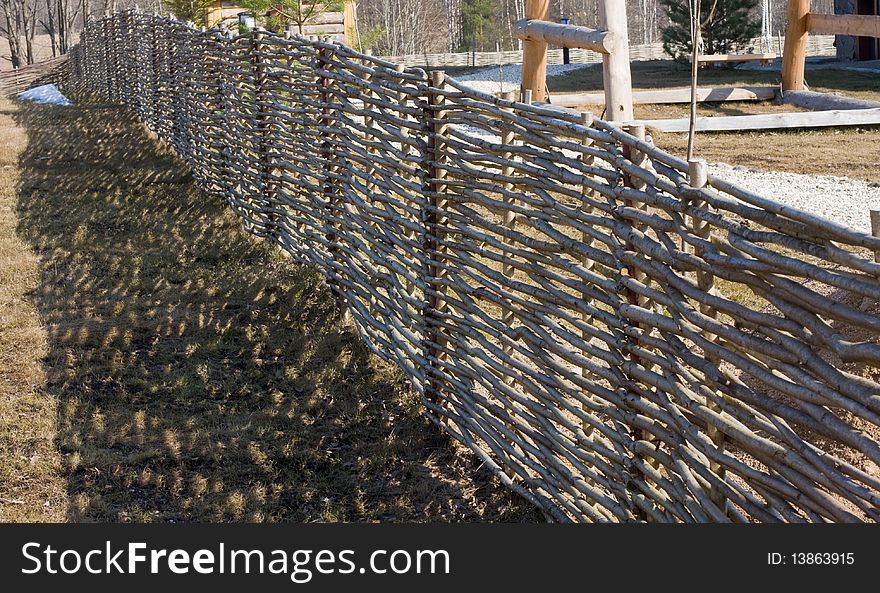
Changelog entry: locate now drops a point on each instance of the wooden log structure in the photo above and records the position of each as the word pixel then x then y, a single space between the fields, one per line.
pixel 616 75
pixel 602 42
pixel 802 22
pixel 534 66
pixel 536 33
pixel 795 49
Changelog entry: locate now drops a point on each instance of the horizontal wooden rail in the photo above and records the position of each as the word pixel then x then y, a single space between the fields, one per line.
pixel 669 96
pixel 856 25
pixel 564 35
pixel 772 121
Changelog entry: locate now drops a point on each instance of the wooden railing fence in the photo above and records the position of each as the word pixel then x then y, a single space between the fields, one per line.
pixel 616 334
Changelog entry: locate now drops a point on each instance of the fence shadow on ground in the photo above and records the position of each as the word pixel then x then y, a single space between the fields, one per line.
pixel 200 375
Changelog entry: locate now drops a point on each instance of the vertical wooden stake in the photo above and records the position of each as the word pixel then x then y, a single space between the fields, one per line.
pixel 266 185
pixel 697 179
pixel 616 75
pixel 875 231
pixel 435 223
pixel 330 167
pixel 586 262
pixel 795 54
pixel 405 149
pixel 534 68
pixel 507 140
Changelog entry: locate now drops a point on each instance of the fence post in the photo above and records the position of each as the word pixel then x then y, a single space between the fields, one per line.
pixel 875 231
pixel 637 158
pixel 698 179
pixel 508 137
pixel 330 167
pixel 435 223
pixel 586 262
pixel 405 149
pixel 264 136
pixel 109 58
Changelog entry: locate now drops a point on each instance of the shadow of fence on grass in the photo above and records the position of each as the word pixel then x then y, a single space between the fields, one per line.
pixel 200 374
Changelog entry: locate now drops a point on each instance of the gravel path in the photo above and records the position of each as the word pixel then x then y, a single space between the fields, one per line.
pixel 499 79
pixel 843 200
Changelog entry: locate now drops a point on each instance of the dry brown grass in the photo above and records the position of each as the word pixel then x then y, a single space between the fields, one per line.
pixel 31 485
pixel 849 151
pixel 199 375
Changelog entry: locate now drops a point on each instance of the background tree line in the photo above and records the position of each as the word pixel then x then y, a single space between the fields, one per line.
pixel 398 27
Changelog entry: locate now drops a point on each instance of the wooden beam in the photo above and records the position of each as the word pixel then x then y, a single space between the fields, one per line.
pixel 771 121
pixel 534 68
pixel 737 57
pixel 795 52
pixel 857 25
pixel 564 35
pixel 665 96
pixel 616 75
pixel 825 101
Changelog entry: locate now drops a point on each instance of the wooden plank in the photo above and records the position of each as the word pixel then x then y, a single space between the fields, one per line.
pixel 772 121
pixel 564 35
pixel 664 96
pixel 534 66
pixel 856 25
pixel 737 57
pixel 795 52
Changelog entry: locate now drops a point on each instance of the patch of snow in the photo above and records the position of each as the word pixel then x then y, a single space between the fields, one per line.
pixel 48 94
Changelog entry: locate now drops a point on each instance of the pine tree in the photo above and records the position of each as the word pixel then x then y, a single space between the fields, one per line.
pixel 725 24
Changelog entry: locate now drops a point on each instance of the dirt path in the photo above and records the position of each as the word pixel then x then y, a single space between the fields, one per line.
pixel 31 485
pixel 198 374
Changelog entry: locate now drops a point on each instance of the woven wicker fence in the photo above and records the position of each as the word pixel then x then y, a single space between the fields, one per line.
pixel 618 338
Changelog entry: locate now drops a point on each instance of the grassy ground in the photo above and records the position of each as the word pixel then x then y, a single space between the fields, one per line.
pixel 32 487
pixel 170 367
pixel 850 151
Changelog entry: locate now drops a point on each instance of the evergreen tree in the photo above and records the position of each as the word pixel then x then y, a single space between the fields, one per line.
pixel 725 24
pixel 479 24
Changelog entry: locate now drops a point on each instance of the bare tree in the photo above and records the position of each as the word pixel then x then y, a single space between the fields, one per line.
pixel 12 28
pixel 407 26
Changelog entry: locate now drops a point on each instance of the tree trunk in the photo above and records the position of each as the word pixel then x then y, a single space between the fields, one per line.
pixel 13 33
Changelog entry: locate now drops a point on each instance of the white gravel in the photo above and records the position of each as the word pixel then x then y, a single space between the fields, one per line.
pixel 843 200
pixel 500 79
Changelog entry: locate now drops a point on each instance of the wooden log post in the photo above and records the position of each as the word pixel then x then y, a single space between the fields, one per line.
pixel 330 170
pixel 795 52
pixel 698 179
pixel 875 231
pixel 616 75
pixel 534 68
pixel 435 224
pixel 266 185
